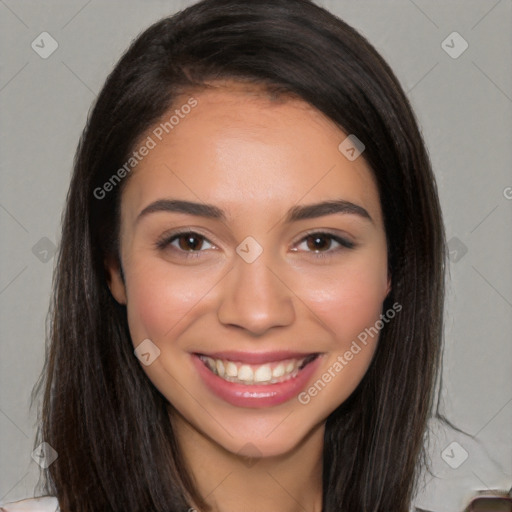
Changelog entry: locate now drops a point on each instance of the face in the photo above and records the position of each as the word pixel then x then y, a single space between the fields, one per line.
pixel 254 259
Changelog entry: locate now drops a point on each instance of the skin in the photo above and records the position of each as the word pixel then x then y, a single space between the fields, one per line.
pixel 254 157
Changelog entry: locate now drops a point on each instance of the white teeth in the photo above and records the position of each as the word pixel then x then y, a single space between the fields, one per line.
pixel 263 373
pixel 231 369
pixel 278 371
pixel 220 367
pixel 250 374
pixel 245 373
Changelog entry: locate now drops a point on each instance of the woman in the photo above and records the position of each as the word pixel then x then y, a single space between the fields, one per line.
pixel 248 301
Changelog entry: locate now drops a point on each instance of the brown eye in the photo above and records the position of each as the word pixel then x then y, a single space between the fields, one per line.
pixel 319 242
pixel 190 241
pixel 185 242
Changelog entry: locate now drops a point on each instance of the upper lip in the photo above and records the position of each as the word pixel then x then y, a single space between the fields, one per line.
pixel 257 357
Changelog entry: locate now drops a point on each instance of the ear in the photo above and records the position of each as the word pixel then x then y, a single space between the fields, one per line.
pixel 115 279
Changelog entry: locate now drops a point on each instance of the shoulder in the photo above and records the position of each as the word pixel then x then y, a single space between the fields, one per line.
pixel 44 504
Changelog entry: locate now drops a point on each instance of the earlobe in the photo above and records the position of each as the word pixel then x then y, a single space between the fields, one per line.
pixel 115 279
pixel 388 288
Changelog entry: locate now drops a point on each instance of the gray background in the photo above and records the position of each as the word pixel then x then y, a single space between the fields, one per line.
pixel 464 106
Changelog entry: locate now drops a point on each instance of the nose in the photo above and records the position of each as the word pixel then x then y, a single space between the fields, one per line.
pixel 255 298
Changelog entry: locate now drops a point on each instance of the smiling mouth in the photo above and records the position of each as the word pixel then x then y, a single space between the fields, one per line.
pixel 250 374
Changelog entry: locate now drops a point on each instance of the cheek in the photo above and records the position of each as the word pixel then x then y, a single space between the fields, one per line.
pixel 355 305
pixel 161 299
pixel 350 298
pixel 349 304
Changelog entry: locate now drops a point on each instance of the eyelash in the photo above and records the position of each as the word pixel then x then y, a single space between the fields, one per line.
pixel 167 240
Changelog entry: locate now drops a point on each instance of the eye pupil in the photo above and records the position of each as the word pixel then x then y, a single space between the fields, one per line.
pixel 318 242
pixel 190 242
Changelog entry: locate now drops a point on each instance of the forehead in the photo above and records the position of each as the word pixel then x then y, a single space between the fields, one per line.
pixel 247 152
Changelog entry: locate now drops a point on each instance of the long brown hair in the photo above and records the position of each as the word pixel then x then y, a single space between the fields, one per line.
pixel 100 412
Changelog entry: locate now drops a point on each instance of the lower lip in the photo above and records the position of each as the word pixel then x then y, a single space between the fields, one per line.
pixel 262 395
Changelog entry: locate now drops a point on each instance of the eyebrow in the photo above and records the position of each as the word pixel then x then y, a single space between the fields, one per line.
pixel 295 213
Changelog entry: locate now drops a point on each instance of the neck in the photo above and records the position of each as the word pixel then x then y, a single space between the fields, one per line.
pixel 228 482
